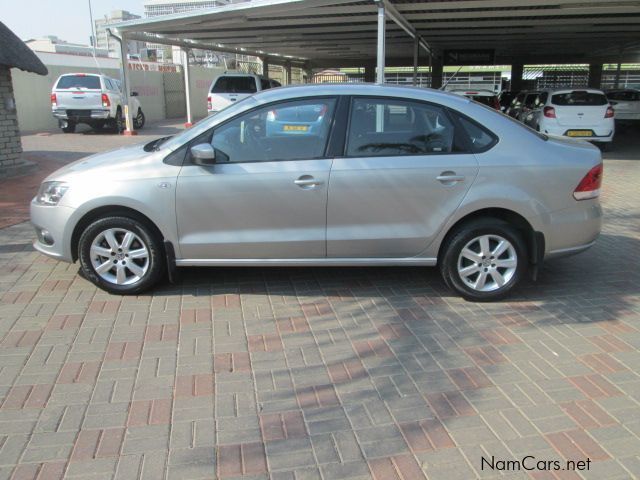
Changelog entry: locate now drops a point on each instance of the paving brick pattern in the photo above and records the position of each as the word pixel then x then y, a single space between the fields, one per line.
pixel 323 373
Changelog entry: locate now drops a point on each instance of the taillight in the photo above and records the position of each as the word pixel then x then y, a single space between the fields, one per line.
pixel 209 107
pixel 549 112
pixel 610 112
pixel 105 100
pixel 589 186
pixel 54 100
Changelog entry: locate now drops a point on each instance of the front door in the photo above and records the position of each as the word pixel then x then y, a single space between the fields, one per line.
pixel 266 195
pixel 404 173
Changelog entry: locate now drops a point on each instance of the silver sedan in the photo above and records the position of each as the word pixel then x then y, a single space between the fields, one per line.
pixel 329 175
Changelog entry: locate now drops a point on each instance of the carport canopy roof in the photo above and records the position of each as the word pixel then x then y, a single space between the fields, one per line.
pixel 343 32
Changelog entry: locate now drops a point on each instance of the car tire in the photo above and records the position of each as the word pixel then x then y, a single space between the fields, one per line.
pixel 118 122
pixel 138 121
pixel 468 265
pixel 69 128
pixel 121 255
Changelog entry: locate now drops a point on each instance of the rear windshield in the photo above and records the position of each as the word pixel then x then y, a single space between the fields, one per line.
pixel 79 81
pixel 234 85
pixel 579 98
pixel 484 99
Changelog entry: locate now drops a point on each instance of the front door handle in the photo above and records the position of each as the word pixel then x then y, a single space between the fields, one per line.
pixel 449 178
pixel 307 181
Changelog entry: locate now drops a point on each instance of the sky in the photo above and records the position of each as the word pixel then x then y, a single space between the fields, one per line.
pixel 67 19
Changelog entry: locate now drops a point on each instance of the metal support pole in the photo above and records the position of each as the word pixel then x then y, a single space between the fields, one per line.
pixel 381 41
pixel 128 118
pixel 617 81
pixel 265 66
pixel 416 50
pixel 287 68
pixel 187 86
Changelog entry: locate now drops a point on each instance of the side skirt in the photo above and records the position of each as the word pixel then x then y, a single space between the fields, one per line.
pixel 306 262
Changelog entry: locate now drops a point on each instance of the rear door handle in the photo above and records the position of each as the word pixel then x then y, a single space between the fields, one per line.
pixel 307 181
pixel 449 177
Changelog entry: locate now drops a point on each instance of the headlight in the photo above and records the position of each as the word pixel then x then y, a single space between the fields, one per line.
pixel 50 193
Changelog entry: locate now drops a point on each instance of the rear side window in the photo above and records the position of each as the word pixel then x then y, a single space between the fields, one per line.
pixel 234 85
pixel 394 127
pixel 626 95
pixel 264 84
pixel 483 99
pixel 79 81
pixel 480 138
pixel 579 98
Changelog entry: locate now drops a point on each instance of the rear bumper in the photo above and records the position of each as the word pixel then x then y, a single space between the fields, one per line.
pixel 572 230
pixel 80 115
pixel 601 133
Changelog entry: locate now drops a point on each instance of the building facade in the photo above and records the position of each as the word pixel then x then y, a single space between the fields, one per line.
pixel 105 42
pixel 53 44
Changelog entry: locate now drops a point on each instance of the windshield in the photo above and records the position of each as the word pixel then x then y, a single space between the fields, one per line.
pixel 79 81
pixel 206 123
pixel 234 85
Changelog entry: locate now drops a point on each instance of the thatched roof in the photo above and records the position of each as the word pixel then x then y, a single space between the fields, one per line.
pixel 14 53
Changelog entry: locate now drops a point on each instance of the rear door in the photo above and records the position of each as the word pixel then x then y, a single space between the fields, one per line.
pixel 228 89
pixel 404 172
pixel 579 108
pixel 79 92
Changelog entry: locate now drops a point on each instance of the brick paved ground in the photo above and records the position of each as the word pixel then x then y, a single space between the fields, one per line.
pixel 324 373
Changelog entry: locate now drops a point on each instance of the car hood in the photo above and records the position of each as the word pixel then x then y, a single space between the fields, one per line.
pixel 108 163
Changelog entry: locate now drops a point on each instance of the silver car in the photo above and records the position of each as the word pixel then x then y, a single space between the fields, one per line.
pixel 329 175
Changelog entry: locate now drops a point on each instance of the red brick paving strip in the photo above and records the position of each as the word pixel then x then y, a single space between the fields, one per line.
pixel 594 386
pixel 191 316
pixel 231 362
pixel 79 372
pixel 399 467
pixel 610 343
pixel 576 445
pixel 426 435
pixel 280 426
pixel 317 396
pixel 270 342
pixel 450 404
pixel 149 412
pixel 485 356
pixel 292 325
pixel 194 385
pixel 346 371
pixel 161 333
pixel 92 444
pixel 587 414
pixel 62 322
pixel 123 351
pixel 372 348
pixel 243 459
pixel 601 363
pixel 24 338
pixel 27 396
pixel 469 378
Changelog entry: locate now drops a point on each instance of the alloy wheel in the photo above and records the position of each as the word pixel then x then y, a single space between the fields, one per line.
pixel 487 263
pixel 119 256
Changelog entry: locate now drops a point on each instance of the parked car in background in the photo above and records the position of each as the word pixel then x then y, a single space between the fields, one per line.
pixel 626 103
pixel 486 97
pixel 580 113
pixel 505 98
pixel 383 175
pixel 93 99
pixel 522 104
pixel 231 87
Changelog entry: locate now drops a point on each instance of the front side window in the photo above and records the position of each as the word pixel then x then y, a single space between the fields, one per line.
pixel 234 85
pixel 296 130
pixel 392 127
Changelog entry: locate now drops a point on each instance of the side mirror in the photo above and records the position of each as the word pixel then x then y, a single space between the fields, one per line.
pixel 134 94
pixel 203 154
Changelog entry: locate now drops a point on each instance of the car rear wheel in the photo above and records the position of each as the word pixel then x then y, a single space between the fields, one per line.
pixel 484 260
pixel 118 122
pixel 121 255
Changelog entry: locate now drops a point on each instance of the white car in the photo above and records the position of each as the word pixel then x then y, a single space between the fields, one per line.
pixel 574 112
pixel 228 88
pixel 93 99
pixel 486 97
pixel 626 103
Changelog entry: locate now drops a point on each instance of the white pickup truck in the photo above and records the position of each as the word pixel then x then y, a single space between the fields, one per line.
pixel 93 99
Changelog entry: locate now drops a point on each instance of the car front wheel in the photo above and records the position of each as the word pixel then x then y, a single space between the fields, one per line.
pixel 484 260
pixel 121 255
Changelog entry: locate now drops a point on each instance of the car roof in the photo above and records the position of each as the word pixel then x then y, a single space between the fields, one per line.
pixel 240 74
pixel 472 91
pixel 364 89
pixel 572 89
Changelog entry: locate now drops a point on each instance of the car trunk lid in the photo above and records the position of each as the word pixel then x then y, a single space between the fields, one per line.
pixel 78 92
pixel 577 108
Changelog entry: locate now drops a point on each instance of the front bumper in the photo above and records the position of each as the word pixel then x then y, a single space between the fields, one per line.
pixel 80 115
pixel 56 243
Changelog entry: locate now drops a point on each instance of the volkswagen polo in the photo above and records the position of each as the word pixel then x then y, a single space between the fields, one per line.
pixel 381 176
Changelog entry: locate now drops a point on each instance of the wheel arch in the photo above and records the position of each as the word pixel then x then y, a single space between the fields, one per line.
pixel 109 211
pixel 534 240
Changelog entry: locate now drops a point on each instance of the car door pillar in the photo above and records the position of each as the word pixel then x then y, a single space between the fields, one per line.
pixel 416 50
